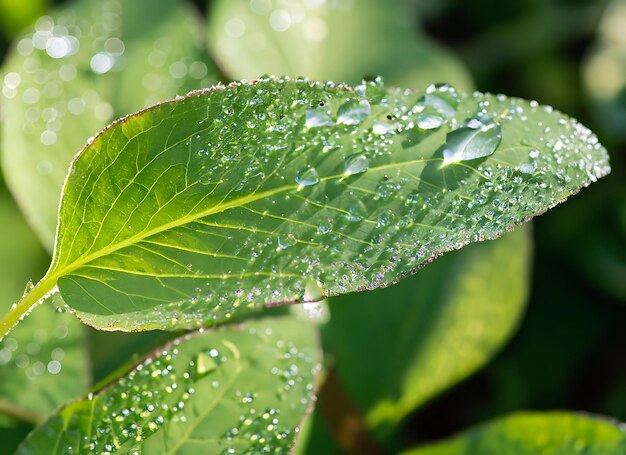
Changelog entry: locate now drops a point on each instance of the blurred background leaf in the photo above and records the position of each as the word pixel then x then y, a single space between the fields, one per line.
pixel 77 70
pixel 15 15
pixel 397 348
pixel 604 71
pixel 338 40
pixel 555 433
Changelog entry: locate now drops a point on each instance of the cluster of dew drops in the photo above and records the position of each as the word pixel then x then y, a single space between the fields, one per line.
pixel 174 387
pixel 364 127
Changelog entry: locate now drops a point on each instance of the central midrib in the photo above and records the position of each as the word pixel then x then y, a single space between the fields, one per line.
pixel 67 269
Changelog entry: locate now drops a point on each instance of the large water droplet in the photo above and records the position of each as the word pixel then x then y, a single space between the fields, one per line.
pixel 429 121
pixel 441 99
pixel 307 177
pixel 385 126
pixel 205 363
pixel 356 164
pixel 475 138
pixel 353 112
pixel 317 116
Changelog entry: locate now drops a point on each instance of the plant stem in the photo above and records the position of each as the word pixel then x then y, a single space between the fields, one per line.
pixel 25 304
pixel 19 413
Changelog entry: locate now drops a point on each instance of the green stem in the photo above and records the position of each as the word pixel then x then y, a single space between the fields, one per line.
pixel 26 303
pixel 21 414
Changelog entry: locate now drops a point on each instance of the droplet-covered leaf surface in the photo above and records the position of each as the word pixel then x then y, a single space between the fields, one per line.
pixel 237 390
pixel 554 433
pixel 78 69
pixel 232 198
pixel 431 330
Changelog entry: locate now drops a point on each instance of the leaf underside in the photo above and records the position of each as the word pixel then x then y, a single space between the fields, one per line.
pixel 229 199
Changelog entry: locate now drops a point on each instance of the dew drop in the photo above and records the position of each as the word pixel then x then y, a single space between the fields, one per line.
pixel 317 117
pixel 429 121
pixel 205 363
pixel 356 164
pixel 286 241
pixel 475 138
pixel 353 112
pixel 307 177
pixel 526 168
pixel 356 212
pixel 384 127
pixel 441 99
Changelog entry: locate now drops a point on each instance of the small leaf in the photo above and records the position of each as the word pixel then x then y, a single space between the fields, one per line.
pixel 191 211
pixel 558 433
pixel 431 330
pixel 252 402
pixel 78 69
pixel 43 361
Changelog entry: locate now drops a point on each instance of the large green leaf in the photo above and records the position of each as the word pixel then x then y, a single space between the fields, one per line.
pixel 431 330
pixel 43 361
pixel 241 389
pixel 339 40
pixel 77 70
pixel 554 433
pixel 234 198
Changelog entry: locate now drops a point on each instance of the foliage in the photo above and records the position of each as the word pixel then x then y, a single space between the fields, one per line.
pixel 214 207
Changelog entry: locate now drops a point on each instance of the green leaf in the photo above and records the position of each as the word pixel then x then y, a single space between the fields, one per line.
pixel 195 210
pixel 252 401
pixel 43 361
pixel 339 40
pixel 14 16
pixel 556 433
pixel 77 70
pixel 431 330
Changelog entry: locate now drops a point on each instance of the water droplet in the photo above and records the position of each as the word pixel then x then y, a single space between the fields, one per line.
pixel 353 112
pixel 384 127
pixel 307 177
pixel 526 168
pixel 441 99
pixel 205 363
pixel 356 164
pixel 384 219
pixel 324 227
pixel 317 116
pixel 475 138
pixel 356 212
pixel 429 121
pixel 286 241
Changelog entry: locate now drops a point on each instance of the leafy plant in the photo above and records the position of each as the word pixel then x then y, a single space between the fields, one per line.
pixel 205 212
